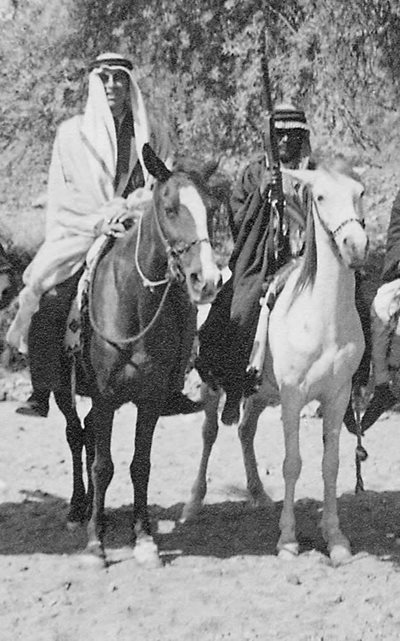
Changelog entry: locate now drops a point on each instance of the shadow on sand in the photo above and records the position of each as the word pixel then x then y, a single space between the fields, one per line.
pixel 232 528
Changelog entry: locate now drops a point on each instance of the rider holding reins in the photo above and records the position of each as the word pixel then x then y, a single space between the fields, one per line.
pixel 96 173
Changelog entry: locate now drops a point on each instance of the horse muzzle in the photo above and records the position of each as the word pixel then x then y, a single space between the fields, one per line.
pixel 204 288
pixel 355 251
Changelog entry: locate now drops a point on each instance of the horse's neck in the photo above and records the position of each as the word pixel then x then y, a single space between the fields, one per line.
pixel 151 253
pixel 145 247
pixel 137 257
pixel 334 284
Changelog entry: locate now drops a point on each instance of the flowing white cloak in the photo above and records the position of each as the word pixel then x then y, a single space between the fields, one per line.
pixel 75 207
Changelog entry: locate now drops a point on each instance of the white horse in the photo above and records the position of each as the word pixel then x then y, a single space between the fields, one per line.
pixel 315 344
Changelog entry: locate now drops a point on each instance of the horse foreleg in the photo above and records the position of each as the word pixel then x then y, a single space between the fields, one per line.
pixel 145 550
pixel 210 399
pixel 75 439
pixel 287 544
pixel 89 438
pixel 102 472
pixel 247 431
pixel 333 412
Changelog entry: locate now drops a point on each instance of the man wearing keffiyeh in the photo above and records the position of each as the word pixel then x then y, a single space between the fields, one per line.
pixel 96 179
pixel 227 335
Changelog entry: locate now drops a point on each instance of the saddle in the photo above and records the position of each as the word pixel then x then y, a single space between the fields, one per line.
pixel 78 317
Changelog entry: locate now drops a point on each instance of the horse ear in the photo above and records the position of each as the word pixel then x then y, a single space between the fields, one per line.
pixel 154 164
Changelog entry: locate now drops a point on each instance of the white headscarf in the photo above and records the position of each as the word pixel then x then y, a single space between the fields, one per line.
pixel 98 127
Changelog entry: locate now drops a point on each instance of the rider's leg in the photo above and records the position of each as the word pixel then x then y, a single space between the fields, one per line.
pixel 45 344
pixel 383 398
pixel 177 402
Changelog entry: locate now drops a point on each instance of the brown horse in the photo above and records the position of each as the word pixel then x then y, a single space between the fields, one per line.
pixel 142 299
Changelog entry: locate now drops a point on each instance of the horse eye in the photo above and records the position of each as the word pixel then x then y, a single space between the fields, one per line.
pixel 320 198
pixel 362 193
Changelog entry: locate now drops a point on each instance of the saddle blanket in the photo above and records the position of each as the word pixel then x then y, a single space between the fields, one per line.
pixel 78 314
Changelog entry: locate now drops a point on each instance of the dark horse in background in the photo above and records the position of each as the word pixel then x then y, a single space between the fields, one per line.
pixel 8 278
pixel 142 295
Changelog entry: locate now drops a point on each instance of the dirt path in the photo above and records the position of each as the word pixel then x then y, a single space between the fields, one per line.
pixel 221 578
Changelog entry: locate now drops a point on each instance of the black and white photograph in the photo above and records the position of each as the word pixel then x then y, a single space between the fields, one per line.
pixel 200 320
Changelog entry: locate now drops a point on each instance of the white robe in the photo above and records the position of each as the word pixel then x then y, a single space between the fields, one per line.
pixel 81 182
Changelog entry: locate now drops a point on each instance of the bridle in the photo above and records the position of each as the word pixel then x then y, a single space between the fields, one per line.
pixel 338 229
pixel 173 252
pixel 334 233
pixel 174 274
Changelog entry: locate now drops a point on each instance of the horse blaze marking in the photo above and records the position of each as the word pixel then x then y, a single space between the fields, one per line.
pixel 190 198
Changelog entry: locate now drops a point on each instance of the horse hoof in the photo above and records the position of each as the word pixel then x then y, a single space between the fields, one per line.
pixel 190 512
pixel 73 526
pixel 90 559
pixel 340 555
pixel 261 500
pixel 146 553
pixel 288 552
pixel 119 555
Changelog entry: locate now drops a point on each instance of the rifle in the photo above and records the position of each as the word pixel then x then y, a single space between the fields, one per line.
pixel 275 253
pixel 271 150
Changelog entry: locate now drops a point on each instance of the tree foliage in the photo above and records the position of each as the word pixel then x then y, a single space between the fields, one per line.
pixel 199 63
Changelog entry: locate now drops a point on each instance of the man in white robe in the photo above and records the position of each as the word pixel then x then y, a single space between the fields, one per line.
pixel 96 171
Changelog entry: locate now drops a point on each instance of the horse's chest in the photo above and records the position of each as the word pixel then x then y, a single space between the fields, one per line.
pixel 309 347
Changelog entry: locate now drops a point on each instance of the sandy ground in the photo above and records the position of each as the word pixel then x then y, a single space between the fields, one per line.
pixel 220 577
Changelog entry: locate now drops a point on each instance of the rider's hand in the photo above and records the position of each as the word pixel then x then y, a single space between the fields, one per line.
pixel 113 228
pixel 114 214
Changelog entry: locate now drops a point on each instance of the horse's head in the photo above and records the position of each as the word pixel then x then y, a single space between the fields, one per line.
pixel 337 197
pixel 184 205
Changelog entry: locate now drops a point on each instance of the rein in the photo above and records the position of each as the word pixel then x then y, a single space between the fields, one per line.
pixel 174 274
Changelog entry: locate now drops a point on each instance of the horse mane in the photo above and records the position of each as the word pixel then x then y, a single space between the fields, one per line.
pixel 308 269
pixel 337 164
